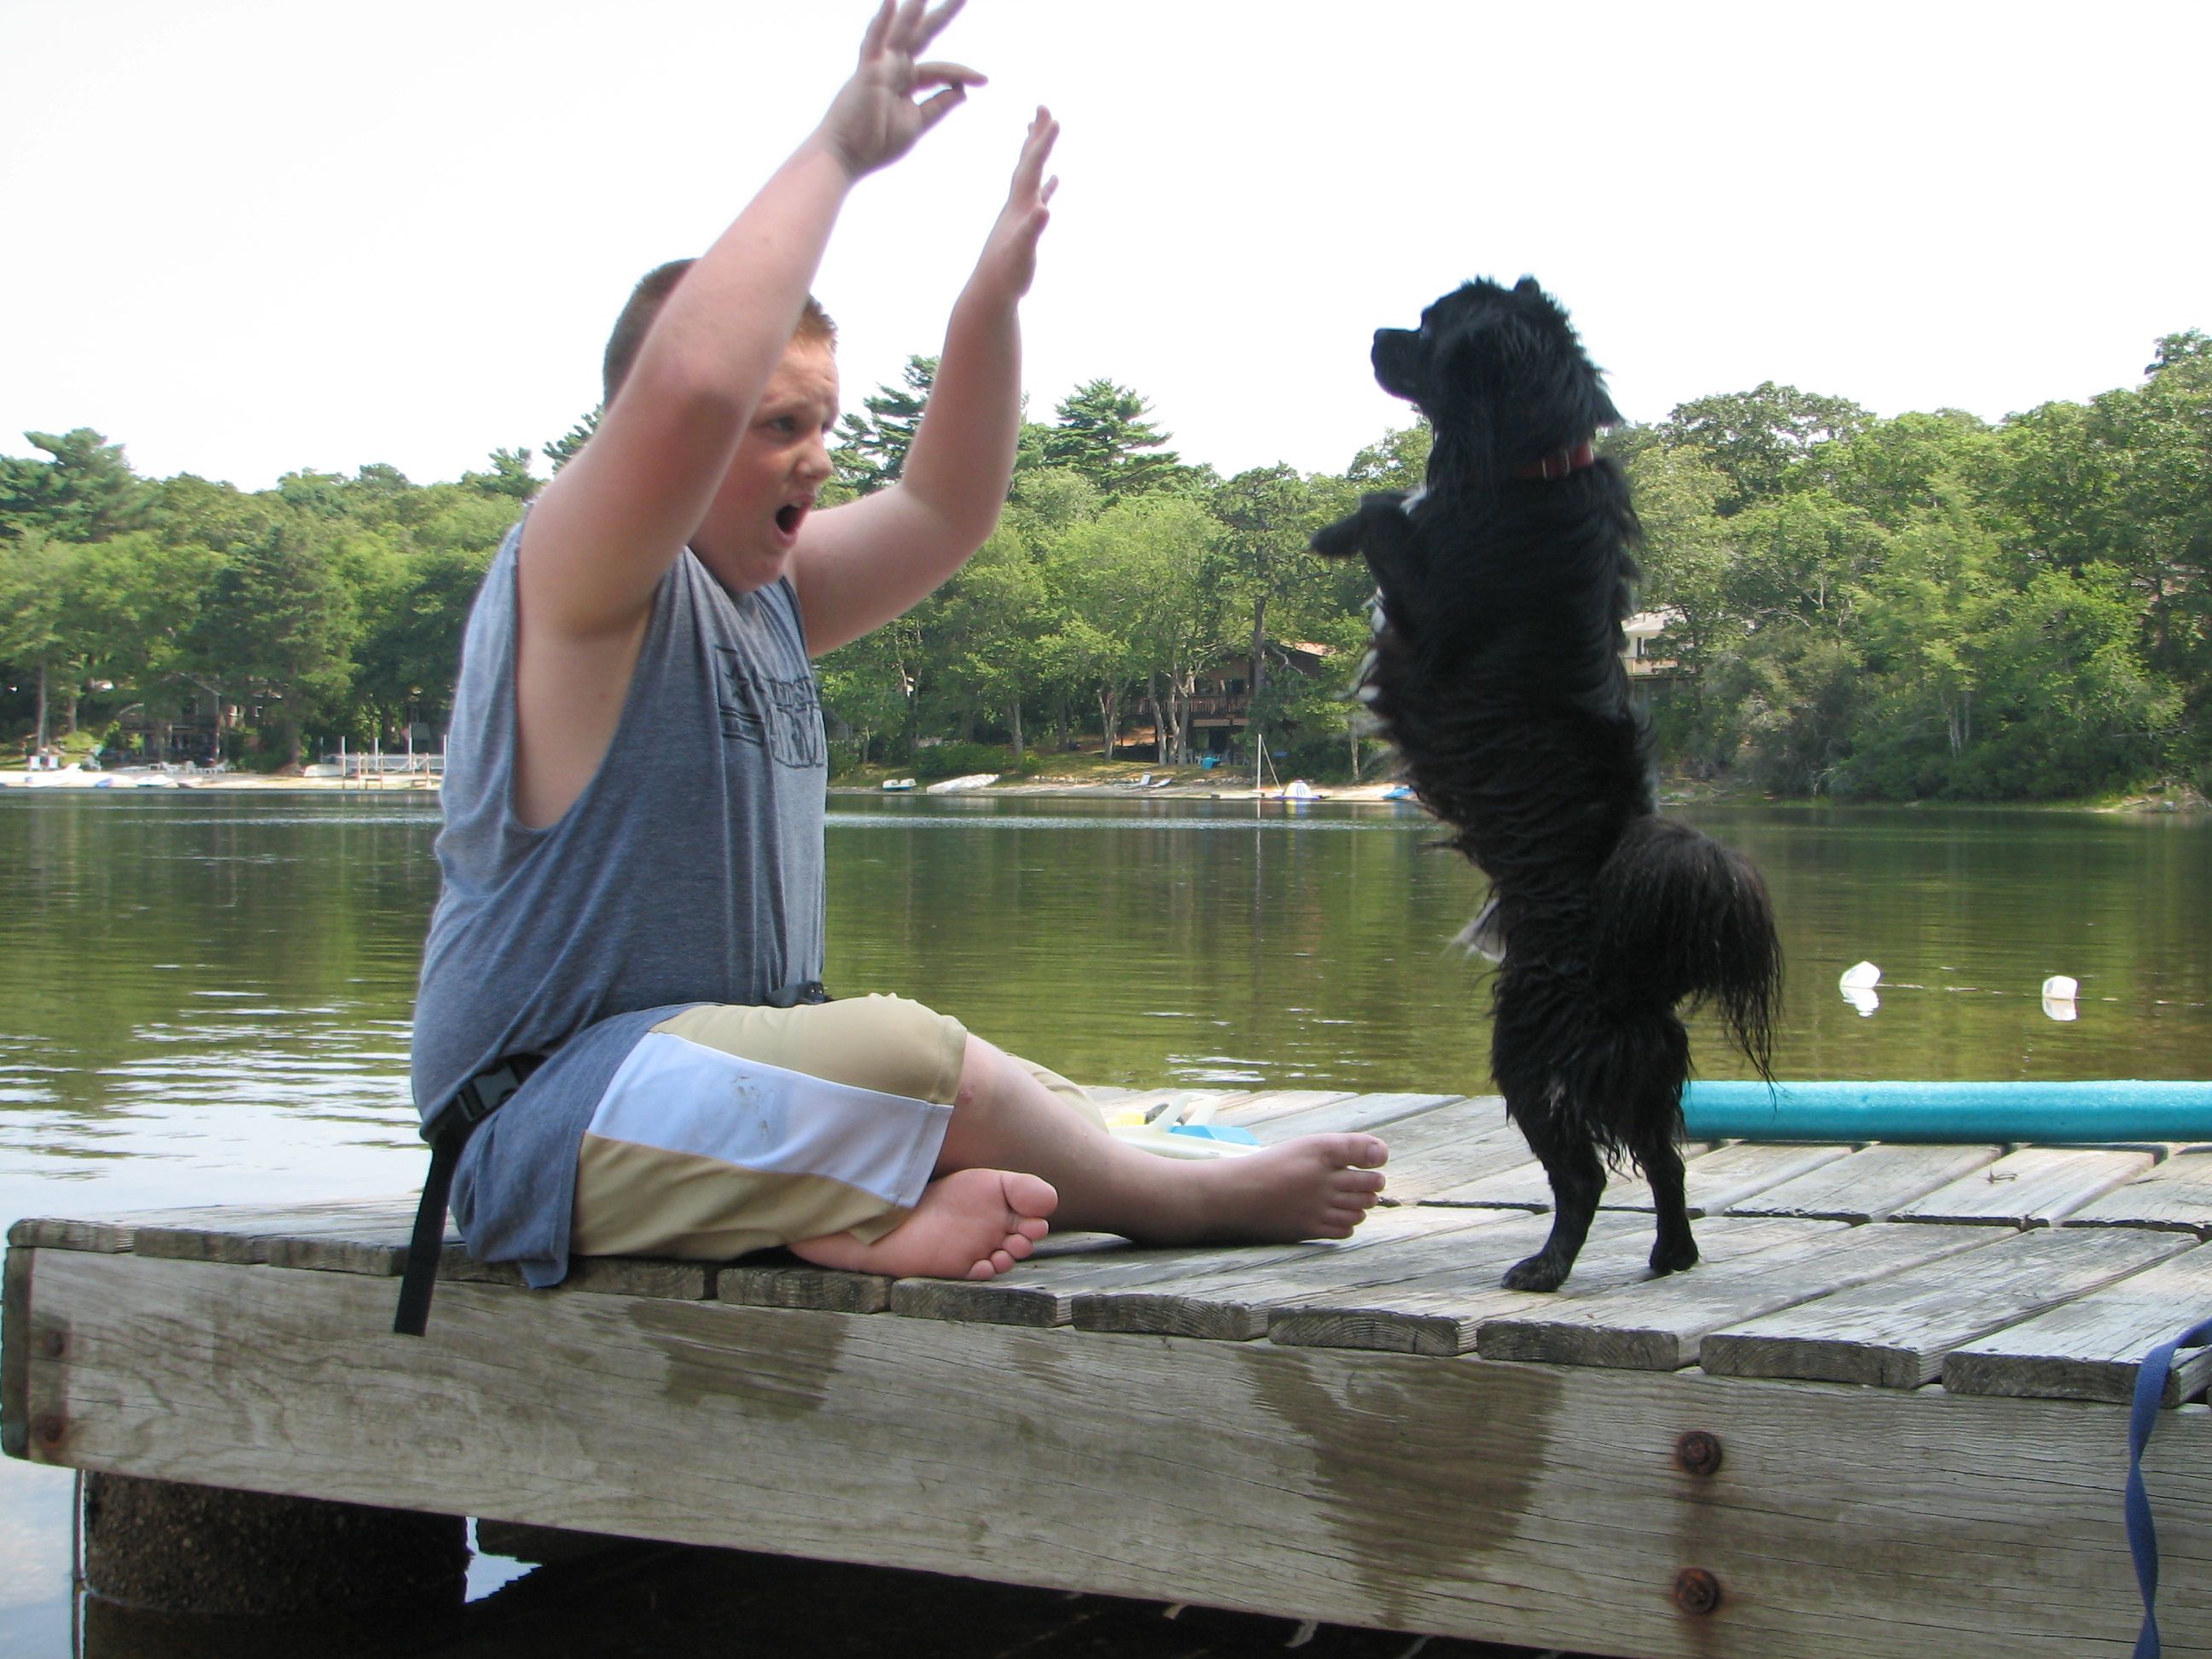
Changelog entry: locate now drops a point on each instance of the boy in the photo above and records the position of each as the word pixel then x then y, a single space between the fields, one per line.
pixel 635 791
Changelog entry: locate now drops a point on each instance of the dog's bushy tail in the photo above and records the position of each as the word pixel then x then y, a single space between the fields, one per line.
pixel 1682 918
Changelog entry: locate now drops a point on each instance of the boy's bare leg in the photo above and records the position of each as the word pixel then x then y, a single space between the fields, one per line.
pixel 1314 1187
pixel 1013 1155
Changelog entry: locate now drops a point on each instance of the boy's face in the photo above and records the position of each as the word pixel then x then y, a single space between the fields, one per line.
pixel 781 462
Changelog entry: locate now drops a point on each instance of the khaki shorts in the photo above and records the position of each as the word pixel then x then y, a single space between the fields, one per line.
pixel 732 1128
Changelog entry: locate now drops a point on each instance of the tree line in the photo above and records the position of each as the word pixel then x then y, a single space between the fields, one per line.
pixel 1923 606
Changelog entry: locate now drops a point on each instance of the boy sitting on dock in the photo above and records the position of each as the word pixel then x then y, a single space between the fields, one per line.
pixel 632 913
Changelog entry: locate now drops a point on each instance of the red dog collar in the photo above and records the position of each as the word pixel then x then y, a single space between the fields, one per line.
pixel 1560 462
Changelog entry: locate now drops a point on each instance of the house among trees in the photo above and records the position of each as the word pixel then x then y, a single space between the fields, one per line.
pixel 1221 695
pixel 1648 656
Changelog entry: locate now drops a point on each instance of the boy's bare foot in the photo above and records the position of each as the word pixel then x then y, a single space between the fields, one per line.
pixel 1314 1187
pixel 972 1224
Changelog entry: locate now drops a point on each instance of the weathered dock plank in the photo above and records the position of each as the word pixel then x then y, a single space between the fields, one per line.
pixel 1529 1504
pixel 2091 1348
pixel 1378 1113
pixel 1661 1326
pixel 367 1235
pixel 1898 1333
pixel 2033 1187
pixel 1270 1106
pixel 1444 1309
pixel 1435 1152
pixel 1042 1292
pixel 1872 1184
pixel 1235 1303
pixel 1717 1180
pixel 780 1284
pixel 2178 1194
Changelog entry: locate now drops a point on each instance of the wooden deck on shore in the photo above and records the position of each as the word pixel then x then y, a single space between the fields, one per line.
pixel 1887 1409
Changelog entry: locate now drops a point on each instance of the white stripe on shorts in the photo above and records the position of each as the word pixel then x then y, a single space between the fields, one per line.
pixel 685 1096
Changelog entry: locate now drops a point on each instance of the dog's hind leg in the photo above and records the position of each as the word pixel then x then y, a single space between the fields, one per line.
pixel 1577 1178
pixel 1675 1248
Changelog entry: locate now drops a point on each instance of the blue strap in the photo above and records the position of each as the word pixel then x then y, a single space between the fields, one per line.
pixel 2142 1535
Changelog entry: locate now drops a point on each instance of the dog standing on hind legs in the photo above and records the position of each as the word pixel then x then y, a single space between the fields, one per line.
pixel 1497 673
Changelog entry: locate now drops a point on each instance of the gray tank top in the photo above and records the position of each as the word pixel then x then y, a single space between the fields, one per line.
pixel 689 871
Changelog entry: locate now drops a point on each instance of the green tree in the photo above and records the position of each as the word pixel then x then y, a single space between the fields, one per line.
pixel 871 450
pixel 1753 437
pixel 1102 432
pixel 278 614
pixel 1399 459
pixel 560 451
pixel 86 492
pixel 509 477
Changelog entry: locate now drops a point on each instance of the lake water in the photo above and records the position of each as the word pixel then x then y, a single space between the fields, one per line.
pixel 204 998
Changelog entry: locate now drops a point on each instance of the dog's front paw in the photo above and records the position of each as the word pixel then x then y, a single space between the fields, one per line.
pixel 1537 1272
pixel 1340 540
pixel 1669 1256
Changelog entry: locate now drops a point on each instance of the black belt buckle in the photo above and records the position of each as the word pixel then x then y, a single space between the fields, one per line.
pixel 805 991
pixel 487 1091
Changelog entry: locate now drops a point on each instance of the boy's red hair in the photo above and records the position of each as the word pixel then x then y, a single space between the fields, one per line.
pixel 645 300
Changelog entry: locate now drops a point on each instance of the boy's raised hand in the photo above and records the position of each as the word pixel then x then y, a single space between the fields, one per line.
pixel 1010 252
pixel 875 119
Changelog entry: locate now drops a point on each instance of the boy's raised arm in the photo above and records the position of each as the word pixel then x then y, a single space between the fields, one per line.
pixel 858 566
pixel 607 528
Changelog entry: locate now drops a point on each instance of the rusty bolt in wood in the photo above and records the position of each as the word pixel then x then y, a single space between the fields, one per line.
pixel 1697 1591
pixel 1698 1453
pixel 51 1430
pixel 52 1344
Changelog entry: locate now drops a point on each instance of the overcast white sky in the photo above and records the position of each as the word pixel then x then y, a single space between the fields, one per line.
pixel 244 239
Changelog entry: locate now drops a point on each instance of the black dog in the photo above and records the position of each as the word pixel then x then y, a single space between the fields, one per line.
pixel 1497 673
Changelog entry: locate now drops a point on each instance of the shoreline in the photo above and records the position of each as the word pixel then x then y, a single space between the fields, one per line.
pixel 1170 785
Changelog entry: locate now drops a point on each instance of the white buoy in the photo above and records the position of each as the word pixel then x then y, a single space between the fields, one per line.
pixel 1860 977
pixel 1865 1001
pixel 2058 998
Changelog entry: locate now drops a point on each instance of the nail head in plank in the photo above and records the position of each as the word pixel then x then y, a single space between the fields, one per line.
pixel 1870 1184
pixel 1896 1333
pixel 2033 1187
pixel 2092 1348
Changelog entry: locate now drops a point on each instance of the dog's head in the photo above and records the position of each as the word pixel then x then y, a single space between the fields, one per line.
pixel 1500 376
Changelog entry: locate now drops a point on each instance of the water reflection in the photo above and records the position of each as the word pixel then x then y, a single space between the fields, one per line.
pixel 657 1601
pixel 206 999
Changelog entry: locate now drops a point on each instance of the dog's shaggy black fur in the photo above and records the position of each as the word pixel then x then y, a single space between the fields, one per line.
pixel 1497 674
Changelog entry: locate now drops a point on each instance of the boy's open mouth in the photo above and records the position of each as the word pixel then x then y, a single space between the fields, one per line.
pixel 787 517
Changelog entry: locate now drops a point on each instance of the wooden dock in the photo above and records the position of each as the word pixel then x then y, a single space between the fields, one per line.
pixel 1886 1412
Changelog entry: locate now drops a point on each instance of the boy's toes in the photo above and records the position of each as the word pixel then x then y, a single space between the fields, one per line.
pixel 1030 1196
pixel 1368 1152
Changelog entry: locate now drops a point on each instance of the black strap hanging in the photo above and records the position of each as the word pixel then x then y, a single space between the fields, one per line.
pixel 447 1132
